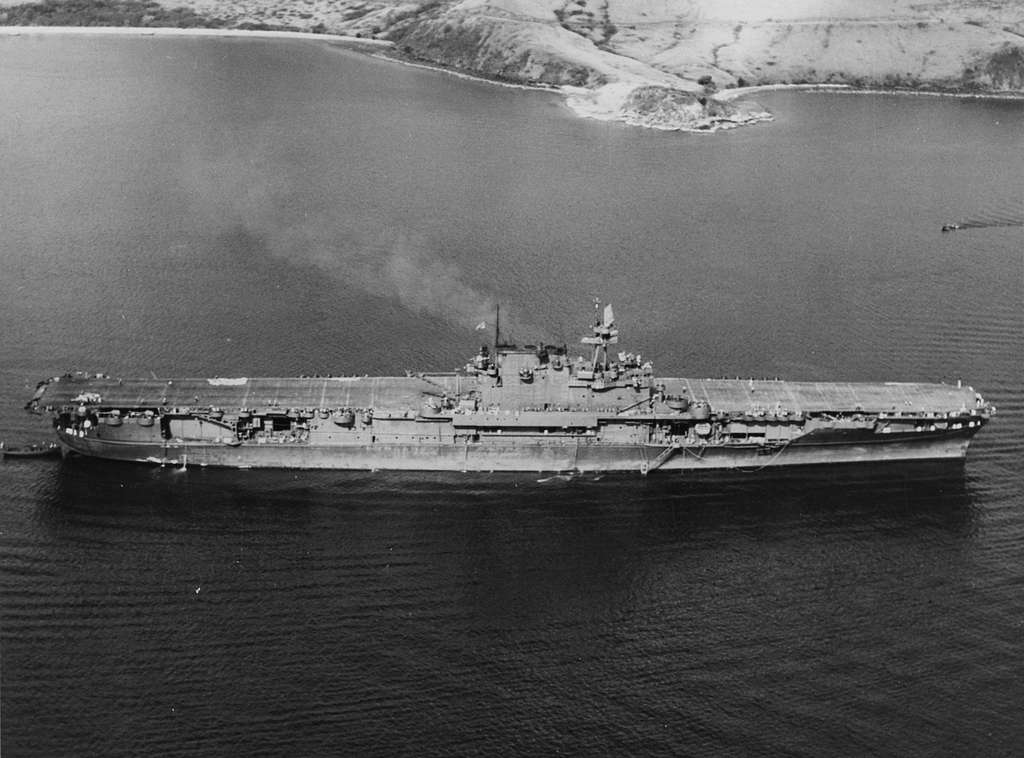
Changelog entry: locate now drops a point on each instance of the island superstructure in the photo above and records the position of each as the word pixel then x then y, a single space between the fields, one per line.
pixel 513 408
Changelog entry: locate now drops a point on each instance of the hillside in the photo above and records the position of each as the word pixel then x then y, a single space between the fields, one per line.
pixel 665 63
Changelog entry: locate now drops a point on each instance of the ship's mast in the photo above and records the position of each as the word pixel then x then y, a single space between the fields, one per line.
pixel 605 334
pixel 497 329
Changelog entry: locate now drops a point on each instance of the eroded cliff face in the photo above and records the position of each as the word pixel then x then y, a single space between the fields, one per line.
pixel 498 45
pixel 675 53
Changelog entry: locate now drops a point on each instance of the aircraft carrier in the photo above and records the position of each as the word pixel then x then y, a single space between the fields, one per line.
pixel 513 408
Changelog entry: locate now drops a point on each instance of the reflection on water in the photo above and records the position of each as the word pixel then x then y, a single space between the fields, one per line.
pixel 119 490
pixel 510 546
pixel 537 610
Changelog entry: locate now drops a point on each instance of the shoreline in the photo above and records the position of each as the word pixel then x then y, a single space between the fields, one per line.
pixel 735 93
pixel 611 103
pixel 199 31
pixel 384 48
pixel 383 55
pixel 573 97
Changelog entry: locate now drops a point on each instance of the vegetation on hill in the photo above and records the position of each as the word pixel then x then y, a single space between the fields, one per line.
pixel 143 13
pixel 136 13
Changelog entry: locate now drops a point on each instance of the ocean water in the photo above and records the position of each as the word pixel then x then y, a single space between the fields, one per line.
pixel 243 207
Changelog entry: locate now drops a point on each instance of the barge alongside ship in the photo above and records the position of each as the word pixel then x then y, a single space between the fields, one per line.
pixel 511 409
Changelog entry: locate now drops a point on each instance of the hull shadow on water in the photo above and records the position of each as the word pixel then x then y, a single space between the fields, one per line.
pixel 515 548
pixel 666 502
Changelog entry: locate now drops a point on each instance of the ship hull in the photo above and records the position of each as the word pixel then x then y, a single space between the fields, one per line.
pixel 523 409
pixel 533 456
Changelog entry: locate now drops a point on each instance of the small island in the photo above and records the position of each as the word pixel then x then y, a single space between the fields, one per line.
pixel 669 64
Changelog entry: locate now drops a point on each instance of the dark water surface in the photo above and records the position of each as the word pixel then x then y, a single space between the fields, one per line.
pixel 254 207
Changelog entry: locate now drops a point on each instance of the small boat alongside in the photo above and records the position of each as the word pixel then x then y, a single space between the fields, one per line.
pixel 35 450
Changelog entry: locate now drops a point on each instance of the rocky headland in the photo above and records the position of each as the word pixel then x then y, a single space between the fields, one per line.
pixel 671 64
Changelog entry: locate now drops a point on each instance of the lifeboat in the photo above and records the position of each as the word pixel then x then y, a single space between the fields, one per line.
pixel 114 419
pixel 344 418
pixel 146 419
